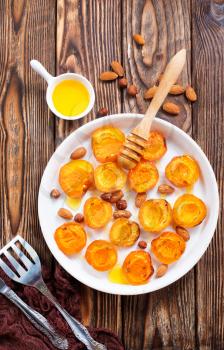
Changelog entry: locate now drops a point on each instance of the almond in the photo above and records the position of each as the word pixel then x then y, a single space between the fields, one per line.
pixel 108 76
pixel 165 189
pixel 190 94
pixel 132 90
pixel 176 90
pixel 65 214
pixel 117 68
pixel 138 38
pixel 183 233
pixel 121 214
pixel 112 197
pixel 162 270
pixel 171 108
pixel 78 153
pixel 140 198
pixel 149 94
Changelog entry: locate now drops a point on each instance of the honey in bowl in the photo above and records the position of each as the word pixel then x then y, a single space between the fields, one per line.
pixel 70 98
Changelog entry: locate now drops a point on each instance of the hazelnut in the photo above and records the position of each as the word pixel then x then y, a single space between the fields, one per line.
pixel 102 112
pixel 79 218
pixel 121 204
pixel 55 193
pixel 142 244
pixel 132 90
pixel 123 83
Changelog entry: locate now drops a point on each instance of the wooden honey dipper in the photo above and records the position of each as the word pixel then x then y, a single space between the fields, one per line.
pixel 136 141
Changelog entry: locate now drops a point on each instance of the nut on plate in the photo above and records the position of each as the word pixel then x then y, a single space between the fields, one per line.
pixel 123 83
pixel 108 76
pixel 132 90
pixel 181 231
pixel 121 204
pixel 191 94
pixel 102 112
pixel 165 189
pixel 121 214
pixel 78 153
pixel 140 198
pixel 65 214
pixel 162 270
pixel 79 217
pixel 142 244
pixel 117 68
pixel 138 38
pixel 171 108
pixel 55 193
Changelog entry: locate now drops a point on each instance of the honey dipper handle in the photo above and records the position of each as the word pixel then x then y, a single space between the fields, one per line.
pixel 169 78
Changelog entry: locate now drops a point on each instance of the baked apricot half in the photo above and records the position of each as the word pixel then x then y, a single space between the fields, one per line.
pixel 156 146
pixel 124 233
pixel 168 247
pixel 189 211
pixel 70 238
pixel 143 176
pixel 101 255
pixel 155 215
pixel 75 177
pixel 109 177
pixel 97 213
pixel 182 171
pixel 137 267
pixel 107 142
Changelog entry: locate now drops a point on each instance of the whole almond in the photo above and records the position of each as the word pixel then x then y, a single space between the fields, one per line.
pixel 116 196
pixel 190 94
pixel 140 198
pixel 132 90
pixel 55 193
pixel 102 112
pixel 183 233
pixel 162 270
pixel 165 189
pixel 121 214
pixel 106 196
pixel 78 153
pixel 176 89
pixel 65 214
pixel 149 94
pixel 138 38
pixel 108 76
pixel 117 68
pixel 123 83
pixel 171 108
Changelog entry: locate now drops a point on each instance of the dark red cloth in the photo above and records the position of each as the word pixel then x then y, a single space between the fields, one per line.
pixel 16 331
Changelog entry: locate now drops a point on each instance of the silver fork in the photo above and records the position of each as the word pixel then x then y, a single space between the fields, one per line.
pixel 38 320
pixel 31 276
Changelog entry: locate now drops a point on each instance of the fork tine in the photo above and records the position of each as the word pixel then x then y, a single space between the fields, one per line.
pixel 22 256
pixel 7 270
pixel 29 249
pixel 14 263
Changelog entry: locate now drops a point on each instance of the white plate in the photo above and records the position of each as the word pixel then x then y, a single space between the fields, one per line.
pixel 178 142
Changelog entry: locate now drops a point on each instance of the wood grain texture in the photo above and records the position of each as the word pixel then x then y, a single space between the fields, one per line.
pixel 208 131
pixel 26 125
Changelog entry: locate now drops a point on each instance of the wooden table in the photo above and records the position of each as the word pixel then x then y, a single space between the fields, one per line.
pixel 189 313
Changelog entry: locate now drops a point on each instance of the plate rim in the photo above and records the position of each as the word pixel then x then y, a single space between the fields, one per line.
pixel 206 242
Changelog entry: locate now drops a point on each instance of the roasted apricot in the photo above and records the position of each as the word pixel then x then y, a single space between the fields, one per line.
pixel 75 177
pixel 137 267
pixel 124 233
pixel 107 142
pixel 156 146
pixel 182 171
pixel 143 176
pixel 109 177
pixel 97 213
pixel 155 215
pixel 168 247
pixel 101 255
pixel 70 238
pixel 189 211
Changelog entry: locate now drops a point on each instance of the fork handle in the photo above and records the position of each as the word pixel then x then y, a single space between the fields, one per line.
pixel 80 331
pixel 39 321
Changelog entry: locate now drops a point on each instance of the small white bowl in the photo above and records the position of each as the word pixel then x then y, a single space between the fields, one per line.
pixel 53 81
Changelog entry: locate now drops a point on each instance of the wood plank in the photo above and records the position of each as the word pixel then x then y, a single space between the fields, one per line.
pixel 89 32
pixel 164 319
pixel 208 131
pixel 26 127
